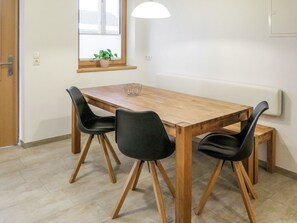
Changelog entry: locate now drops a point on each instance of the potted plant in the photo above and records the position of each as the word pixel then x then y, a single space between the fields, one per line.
pixel 104 57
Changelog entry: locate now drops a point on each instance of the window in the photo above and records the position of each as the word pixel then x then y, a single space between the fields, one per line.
pixel 102 25
pixel 99 17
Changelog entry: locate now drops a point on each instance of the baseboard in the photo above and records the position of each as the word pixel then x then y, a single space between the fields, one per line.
pixel 44 141
pixel 196 140
pixel 280 170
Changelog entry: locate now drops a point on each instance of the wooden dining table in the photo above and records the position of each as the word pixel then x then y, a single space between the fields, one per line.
pixel 184 117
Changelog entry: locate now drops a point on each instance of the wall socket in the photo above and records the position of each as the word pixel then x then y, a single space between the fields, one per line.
pixel 36 62
pixel 148 58
pixel 36 58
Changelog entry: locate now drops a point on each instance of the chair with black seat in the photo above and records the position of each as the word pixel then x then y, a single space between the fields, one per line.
pixel 92 124
pixel 142 136
pixel 234 148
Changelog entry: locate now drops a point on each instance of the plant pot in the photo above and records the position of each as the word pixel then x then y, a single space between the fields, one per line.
pixel 104 63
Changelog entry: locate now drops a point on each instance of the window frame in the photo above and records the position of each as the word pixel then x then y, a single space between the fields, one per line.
pixel 89 63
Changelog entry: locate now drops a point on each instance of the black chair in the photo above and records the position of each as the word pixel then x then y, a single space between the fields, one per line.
pixel 234 148
pixel 142 136
pixel 92 124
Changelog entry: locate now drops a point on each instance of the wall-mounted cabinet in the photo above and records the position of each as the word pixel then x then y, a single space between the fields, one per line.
pixel 283 18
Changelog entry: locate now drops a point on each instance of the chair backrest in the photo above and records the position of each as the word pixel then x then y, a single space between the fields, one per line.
pixel 141 135
pixel 246 136
pixel 83 111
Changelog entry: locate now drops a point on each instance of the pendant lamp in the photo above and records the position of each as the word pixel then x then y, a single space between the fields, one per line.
pixel 150 10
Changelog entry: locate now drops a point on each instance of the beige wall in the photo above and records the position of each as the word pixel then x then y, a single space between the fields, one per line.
pixel 50 27
pixel 222 40
pixel 229 40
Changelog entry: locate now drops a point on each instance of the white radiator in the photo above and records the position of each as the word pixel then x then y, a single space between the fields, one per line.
pixel 226 91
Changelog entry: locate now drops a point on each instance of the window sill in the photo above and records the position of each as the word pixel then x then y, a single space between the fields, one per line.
pixel 110 68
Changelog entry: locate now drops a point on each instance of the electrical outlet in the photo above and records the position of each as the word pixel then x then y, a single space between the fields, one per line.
pixel 148 58
pixel 36 62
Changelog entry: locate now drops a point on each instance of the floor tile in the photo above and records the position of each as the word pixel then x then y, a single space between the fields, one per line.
pixel 34 188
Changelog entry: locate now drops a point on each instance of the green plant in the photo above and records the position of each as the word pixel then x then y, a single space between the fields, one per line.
pixel 105 55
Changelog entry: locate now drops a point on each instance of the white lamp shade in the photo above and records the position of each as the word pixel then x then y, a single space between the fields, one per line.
pixel 151 10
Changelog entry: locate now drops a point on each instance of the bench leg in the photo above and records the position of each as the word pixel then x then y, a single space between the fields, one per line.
pixel 271 153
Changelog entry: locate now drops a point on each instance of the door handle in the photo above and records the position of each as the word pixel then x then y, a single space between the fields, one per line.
pixel 10 65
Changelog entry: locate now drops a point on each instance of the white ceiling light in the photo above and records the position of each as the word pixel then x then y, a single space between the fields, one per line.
pixel 151 10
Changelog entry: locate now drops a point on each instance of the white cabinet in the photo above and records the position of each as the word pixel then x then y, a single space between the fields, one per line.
pixel 283 18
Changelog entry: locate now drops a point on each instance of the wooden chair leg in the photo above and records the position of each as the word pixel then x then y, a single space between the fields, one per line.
pixel 107 159
pixel 109 146
pixel 247 181
pixel 137 176
pixel 125 191
pixel 157 191
pixel 209 187
pixel 85 154
pixel 244 192
pixel 165 177
pixel 81 159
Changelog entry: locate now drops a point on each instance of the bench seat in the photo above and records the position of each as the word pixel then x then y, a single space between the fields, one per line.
pixel 237 93
pixel 262 134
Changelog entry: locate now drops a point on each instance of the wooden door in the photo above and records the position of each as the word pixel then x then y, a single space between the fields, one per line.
pixel 8 72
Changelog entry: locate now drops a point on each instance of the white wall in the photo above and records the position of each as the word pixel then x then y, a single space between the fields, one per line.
pixel 50 27
pixel 221 39
pixel 229 40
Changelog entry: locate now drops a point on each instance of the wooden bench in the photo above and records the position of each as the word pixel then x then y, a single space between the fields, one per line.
pixel 236 93
pixel 262 134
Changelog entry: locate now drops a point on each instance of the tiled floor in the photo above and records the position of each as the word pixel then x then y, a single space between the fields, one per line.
pixel 34 188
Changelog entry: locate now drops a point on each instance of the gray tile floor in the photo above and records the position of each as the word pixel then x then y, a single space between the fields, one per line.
pixel 34 188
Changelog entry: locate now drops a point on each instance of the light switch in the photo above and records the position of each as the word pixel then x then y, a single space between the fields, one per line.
pixel 36 55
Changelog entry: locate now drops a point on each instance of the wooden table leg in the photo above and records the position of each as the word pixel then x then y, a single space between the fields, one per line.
pixel 256 162
pixel 75 146
pixel 183 199
pixel 271 153
pixel 249 162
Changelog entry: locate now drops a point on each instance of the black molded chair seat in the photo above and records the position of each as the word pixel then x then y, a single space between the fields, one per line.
pixel 234 148
pixel 92 124
pixel 99 125
pixel 220 146
pixel 142 136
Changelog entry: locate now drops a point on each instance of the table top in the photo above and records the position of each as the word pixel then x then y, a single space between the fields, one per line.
pixel 173 108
